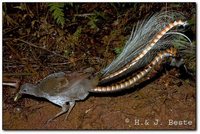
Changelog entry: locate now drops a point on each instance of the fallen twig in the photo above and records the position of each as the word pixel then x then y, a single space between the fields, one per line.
pixel 16 74
pixel 33 45
pixel 19 57
pixel 11 82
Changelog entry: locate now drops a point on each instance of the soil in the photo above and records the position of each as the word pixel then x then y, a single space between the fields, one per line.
pixel 167 101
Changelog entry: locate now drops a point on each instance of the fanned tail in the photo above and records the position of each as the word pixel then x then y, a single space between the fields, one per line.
pixel 147 39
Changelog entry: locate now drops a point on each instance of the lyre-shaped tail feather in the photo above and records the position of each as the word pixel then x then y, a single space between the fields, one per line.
pixel 132 80
pixel 145 41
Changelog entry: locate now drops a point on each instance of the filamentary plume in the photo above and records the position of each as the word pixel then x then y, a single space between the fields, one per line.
pixel 147 38
pixel 132 80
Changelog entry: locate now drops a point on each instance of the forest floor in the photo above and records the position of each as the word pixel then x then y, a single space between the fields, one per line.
pixel 35 46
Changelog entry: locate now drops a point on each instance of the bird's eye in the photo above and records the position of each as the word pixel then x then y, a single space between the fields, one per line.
pixel 24 90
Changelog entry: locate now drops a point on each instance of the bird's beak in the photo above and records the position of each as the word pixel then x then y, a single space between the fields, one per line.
pixel 17 96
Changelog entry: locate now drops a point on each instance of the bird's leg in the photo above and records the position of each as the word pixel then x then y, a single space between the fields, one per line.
pixel 64 109
pixel 71 105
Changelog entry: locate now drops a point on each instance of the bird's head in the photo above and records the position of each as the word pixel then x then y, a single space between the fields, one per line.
pixel 25 89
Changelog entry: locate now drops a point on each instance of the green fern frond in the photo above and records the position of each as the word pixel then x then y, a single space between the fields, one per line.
pixel 57 12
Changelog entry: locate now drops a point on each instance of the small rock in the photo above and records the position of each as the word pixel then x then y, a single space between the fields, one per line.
pixel 17 110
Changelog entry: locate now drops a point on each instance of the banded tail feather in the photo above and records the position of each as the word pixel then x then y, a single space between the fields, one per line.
pixel 130 81
pixel 111 76
pixel 145 41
